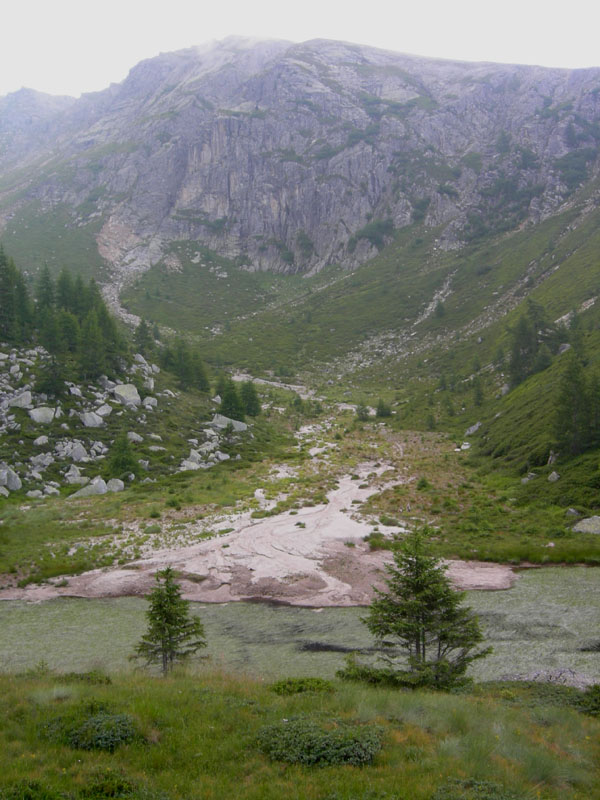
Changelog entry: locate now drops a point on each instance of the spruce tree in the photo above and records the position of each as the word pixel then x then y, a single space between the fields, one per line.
pixel 121 459
pixel 231 405
pixel 143 338
pixel 91 348
pixel 250 400
pixel 7 299
pixel 423 616
pixel 573 409
pixel 172 634
pixel 45 291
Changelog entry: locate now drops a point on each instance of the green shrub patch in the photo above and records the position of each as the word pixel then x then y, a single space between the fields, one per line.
pixel 92 726
pixel 289 686
pixel 302 741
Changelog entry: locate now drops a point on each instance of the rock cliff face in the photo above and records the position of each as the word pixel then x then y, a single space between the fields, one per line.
pixel 290 157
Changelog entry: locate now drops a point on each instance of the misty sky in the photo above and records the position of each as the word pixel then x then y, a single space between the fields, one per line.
pixel 74 46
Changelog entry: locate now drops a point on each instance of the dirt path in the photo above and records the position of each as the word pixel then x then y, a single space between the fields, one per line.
pixel 315 557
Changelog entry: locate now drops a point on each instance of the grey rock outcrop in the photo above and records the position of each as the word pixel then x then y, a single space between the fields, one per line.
pixel 115 485
pixel 96 486
pixel 91 420
pixel 9 479
pixel 219 422
pixel 23 400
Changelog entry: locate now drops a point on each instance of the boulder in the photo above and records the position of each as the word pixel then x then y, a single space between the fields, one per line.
pixel 553 477
pixel 150 402
pixel 104 410
pixel 220 422
pixel 91 420
pixel 10 479
pixel 22 400
pixel 78 452
pixel 42 415
pixel 75 391
pixel 34 494
pixel 41 441
pixel 473 429
pixel 190 465
pixel 4 491
pixel 588 525
pixel 115 485
pixel 96 486
pixel 127 394
pixel 135 437
pixel 149 384
pixel 51 490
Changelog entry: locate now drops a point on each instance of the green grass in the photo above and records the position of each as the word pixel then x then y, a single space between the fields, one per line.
pixel 200 738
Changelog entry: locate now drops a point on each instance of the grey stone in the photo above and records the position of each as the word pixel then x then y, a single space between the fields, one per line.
pixel 10 479
pixel 150 402
pixel 75 391
pixel 149 384
pixel 588 525
pixel 563 348
pixel 190 465
pixel 134 437
pixel 222 456
pixel 96 486
pixel 42 415
pixel 127 394
pixel 51 490
pixel 220 423
pixel 4 491
pixel 104 410
pixel 156 436
pixel 572 512
pixel 115 485
pixel 41 441
pixel 78 452
pixel 553 477
pixel 91 420
pixel 156 448
pixel 22 400
pixel 34 494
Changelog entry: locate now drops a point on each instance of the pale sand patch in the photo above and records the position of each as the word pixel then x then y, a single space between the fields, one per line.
pixel 300 559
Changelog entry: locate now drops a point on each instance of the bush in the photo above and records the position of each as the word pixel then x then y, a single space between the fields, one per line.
pixel 591 701
pixel 91 726
pixel 302 741
pixel 289 686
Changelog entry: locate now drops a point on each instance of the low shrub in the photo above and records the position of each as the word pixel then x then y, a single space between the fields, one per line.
pixel 94 678
pixel 591 701
pixel 301 741
pixel 289 686
pixel 91 726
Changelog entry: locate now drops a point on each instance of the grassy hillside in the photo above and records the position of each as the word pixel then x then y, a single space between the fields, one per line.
pixel 201 737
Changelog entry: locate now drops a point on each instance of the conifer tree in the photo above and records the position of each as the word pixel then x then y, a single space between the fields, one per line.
pixel 573 409
pixel 7 299
pixel 121 459
pixel 143 338
pixel 45 291
pixel 231 405
pixel 201 381
pixel 423 615
pixel 172 633
pixel 65 291
pixel 91 348
pixel 250 400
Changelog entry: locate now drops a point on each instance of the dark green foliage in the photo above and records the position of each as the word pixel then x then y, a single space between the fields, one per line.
pixel 376 232
pixel 45 291
pixel 421 615
pixel 93 677
pixel 121 459
pixel 471 789
pixel 91 357
pixel 187 366
pixel 91 726
pixel 108 783
pixel 577 409
pixel 15 304
pixel 301 741
pixel 51 378
pixel 574 165
pixel 143 338
pixel 289 686
pixel 534 339
pixel 103 731
pixel 249 399
pixel 231 403
pixel 591 701
pixel 172 634
pixel 362 412
pixel 383 410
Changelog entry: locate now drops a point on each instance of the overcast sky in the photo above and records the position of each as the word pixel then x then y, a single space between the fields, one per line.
pixel 74 46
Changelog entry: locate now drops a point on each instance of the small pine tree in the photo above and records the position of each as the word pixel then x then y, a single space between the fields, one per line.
pixel 172 634
pixel 383 410
pixel 231 405
pixel 423 615
pixel 143 338
pixel 45 290
pixel 250 399
pixel 91 348
pixel 121 460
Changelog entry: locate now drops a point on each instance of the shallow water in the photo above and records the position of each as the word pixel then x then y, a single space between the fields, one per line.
pixel 539 624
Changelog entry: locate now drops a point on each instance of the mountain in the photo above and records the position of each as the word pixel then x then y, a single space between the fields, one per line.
pixel 290 157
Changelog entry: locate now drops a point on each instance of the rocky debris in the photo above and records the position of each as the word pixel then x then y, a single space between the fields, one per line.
pixel 4 491
pixel 135 437
pixel 73 475
pixel 96 486
pixel 41 441
pixel 529 477
pixel 473 429
pixel 127 394
pixel 104 410
pixel 219 422
pixel 34 494
pixel 149 402
pixel 115 485
pixel 553 477
pixel 42 415
pixel 588 525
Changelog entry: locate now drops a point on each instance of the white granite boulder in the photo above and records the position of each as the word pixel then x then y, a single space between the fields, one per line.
pixel 22 400
pixel 127 394
pixel 96 486
pixel 91 420
pixel 42 415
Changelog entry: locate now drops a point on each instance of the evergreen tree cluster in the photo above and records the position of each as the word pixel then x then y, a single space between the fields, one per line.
pixel 577 409
pixel 186 364
pixel 534 342
pixel 69 318
pixel 236 404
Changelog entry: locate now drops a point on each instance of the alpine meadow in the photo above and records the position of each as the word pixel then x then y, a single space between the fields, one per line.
pixel 300 430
